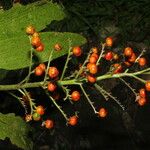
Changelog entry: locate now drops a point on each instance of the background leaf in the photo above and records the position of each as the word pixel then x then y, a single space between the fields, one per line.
pixel 15 55
pixel 16 129
pixel 14 21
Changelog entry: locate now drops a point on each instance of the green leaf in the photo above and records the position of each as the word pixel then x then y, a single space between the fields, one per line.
pixel 15 55
pixel 16 130
pixel 39 14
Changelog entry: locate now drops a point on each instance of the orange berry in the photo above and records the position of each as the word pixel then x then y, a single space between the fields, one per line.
pixel 95 55
pixel 142 101
pixel 132 58
pixel 73 120
pixel 109 41
pixel 147 85
pixel 95 50
pixel 75 96
pixel 117 68
pixel 92 59
pixel 51 87
pixel 40 48
pixel 102 112
pixel 40 110
pixel 142 61
pixel 57 47
pixel 28 118
pixel 91 79
pixel 36 34
pixel 49 124
pixel 36 41
pixel 30 30
pixel 38 71
pixel 142 93
pixel 77 51
pixel 53 72
pixel 115 56
pixel 128 51
pixel 93 68
pixel 42 66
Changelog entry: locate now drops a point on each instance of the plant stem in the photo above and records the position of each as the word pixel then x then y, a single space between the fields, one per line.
pixel 89 101
pixel 68 58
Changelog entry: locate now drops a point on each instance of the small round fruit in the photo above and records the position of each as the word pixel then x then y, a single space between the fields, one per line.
pixel 95 55
pixel 49 124
pixel 53 72
pixel 93 69
pixel 73 120
pixel 142 101
pixel 57 47
pixel 75 96
pixel 108 56
pixel 142 61
pixel 95 50
pixel 115 56
pixel 40 110
pixel 36 117
pixel 36 41
pixel 92 59
pixel 51 87
pixel 42 66
pixel 147 85
pixel 77 51
pixel 30 30
pixel 142 93
pixel 128 51
pixel 109 41
pixel 132 58
pixel 36 34
pixel 40 48
pixel 28 118
pixel 38 71
pixel 117 68
pixel 102 112
pixel 91 79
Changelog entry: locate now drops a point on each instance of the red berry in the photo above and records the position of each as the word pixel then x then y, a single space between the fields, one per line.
pixel 108 55
pixel 93 68
pixel 142 101
pixel 102 112
pixel 75 96
pixel 128 51
pixel 132 58
pixel 30 30
pixel 91 78
pixel 42 66
pixel 35 41
pixel 57 47
pixel 40 48
pixel 77 51
pixel 142 93
pixel 40 110
pixel 95 55
pixel 49 124
pixel 53 72
pixel 109 41
pixel 73 120
pixel 38 71
pixel 142 61
pixel 51 87
pixel 117 68
pixel 147 85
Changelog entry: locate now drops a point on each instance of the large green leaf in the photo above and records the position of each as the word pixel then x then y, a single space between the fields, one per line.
pixel 16 130
pixel 15 51
pixel 39 14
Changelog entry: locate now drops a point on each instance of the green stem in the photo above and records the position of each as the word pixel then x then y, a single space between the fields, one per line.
pixel 101 54
pixel 89 101
pixel 66 64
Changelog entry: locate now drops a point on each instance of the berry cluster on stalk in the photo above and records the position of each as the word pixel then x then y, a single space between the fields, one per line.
pixel 88 72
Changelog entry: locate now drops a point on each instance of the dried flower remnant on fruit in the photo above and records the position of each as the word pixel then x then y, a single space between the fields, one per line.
pixel 57 47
